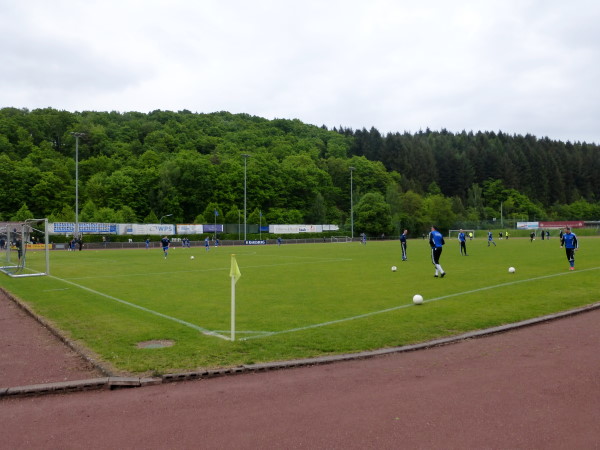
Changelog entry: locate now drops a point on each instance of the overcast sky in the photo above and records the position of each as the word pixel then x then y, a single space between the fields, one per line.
pixel 517 66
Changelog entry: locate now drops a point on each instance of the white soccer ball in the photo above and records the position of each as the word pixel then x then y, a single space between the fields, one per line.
pixel 394 268
pixel 418 299
pixel 191 257
pixel 511 270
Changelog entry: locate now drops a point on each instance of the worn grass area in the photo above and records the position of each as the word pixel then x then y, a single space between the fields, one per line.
pixel 296 301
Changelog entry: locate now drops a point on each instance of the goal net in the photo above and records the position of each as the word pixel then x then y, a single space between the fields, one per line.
pixel 25 248
pixel 469 234
pixel 340 239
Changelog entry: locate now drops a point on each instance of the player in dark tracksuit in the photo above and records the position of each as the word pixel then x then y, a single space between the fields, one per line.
pixel 463 242
pixel 436 241
pixel 403 244
pixel 569 242
pixel 165 246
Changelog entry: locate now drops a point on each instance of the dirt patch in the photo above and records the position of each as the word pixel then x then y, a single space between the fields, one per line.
pixel 159 343
pixel 32 354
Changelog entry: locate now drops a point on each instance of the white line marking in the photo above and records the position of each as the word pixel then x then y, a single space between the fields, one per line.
pixel 156 313
pixel 362 316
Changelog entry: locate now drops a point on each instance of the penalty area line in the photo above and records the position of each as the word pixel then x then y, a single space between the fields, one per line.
pixel 141 308
pixel 395 308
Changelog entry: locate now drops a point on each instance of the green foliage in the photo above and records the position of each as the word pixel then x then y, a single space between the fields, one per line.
pixel 22 214
pixel 372 215
pixel 182 164
pixel 126 215
pixel 437 210
pixel 151 217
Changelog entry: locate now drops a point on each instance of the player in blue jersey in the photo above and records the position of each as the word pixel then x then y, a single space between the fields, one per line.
pixel 491 238
pixel 165 246
pixel 569 242
pixel 462 239
pixel 436 241
pixel 403 245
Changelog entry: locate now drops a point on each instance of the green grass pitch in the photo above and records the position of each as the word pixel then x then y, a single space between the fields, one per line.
pixel 296 300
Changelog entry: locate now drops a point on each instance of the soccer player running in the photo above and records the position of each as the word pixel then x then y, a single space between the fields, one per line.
pixel 165 246
pixel 403 245
pixel 463 242
pixel 569 242
pixel 436 241
pixel 491 238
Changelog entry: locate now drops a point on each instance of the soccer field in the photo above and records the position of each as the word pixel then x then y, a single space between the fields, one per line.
pixel 296 300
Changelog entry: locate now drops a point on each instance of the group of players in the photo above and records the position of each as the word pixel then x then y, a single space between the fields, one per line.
pixel 568 241
pixel 166 242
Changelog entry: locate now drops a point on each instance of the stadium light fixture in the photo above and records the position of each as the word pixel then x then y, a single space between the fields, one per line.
pixel 77 136
pixel 167 215
pixel 351 205
pixel 246 156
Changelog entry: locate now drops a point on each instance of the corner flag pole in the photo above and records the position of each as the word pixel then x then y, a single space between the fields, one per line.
pixel 235 274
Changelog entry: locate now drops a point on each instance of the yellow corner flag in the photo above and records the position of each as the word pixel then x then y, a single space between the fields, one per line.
pixel 235 270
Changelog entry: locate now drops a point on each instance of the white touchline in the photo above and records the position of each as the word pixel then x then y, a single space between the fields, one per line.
pixel 133 305
pixel 362 316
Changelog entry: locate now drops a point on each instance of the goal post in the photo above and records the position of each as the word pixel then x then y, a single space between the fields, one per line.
pixel 340 239
pixel 469 234
pixel 23 255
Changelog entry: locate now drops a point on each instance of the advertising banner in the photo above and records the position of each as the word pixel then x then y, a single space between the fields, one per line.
pixel 190 229
pixel 164 229
pixel 210 228
pixel 295 229
pixel 528 225
pixel 562 224
pixel 84 227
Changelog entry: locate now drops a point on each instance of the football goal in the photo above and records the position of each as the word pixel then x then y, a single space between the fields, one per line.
pixel 20 244
pixel 469 234
pixel 340 239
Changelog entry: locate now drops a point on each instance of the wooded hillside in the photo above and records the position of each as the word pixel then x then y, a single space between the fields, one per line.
pixel 138 167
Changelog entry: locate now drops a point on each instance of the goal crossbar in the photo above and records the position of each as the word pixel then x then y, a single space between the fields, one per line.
pixel 454 233
pixel 18 240
pixel 340 239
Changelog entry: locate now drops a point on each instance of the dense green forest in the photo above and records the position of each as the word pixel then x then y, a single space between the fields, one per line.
pixel 138 167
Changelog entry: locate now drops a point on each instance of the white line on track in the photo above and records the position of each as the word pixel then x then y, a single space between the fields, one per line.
pixel 362 316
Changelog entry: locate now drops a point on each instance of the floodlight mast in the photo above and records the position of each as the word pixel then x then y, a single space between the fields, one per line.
pixel 167 215
pixel 246 156
pixel 77 136
pixel 351 204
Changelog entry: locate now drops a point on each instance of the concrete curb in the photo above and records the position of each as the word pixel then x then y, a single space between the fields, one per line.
pixel 77 386
pixel 112 382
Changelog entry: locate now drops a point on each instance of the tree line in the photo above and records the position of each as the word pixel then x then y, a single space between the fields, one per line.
pixel 140 167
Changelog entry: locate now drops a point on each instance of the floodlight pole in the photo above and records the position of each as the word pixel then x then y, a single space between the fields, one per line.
pixel 351 204
pixel 246 156
pixel 216 225
pixel 167 215
pixel 76 230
